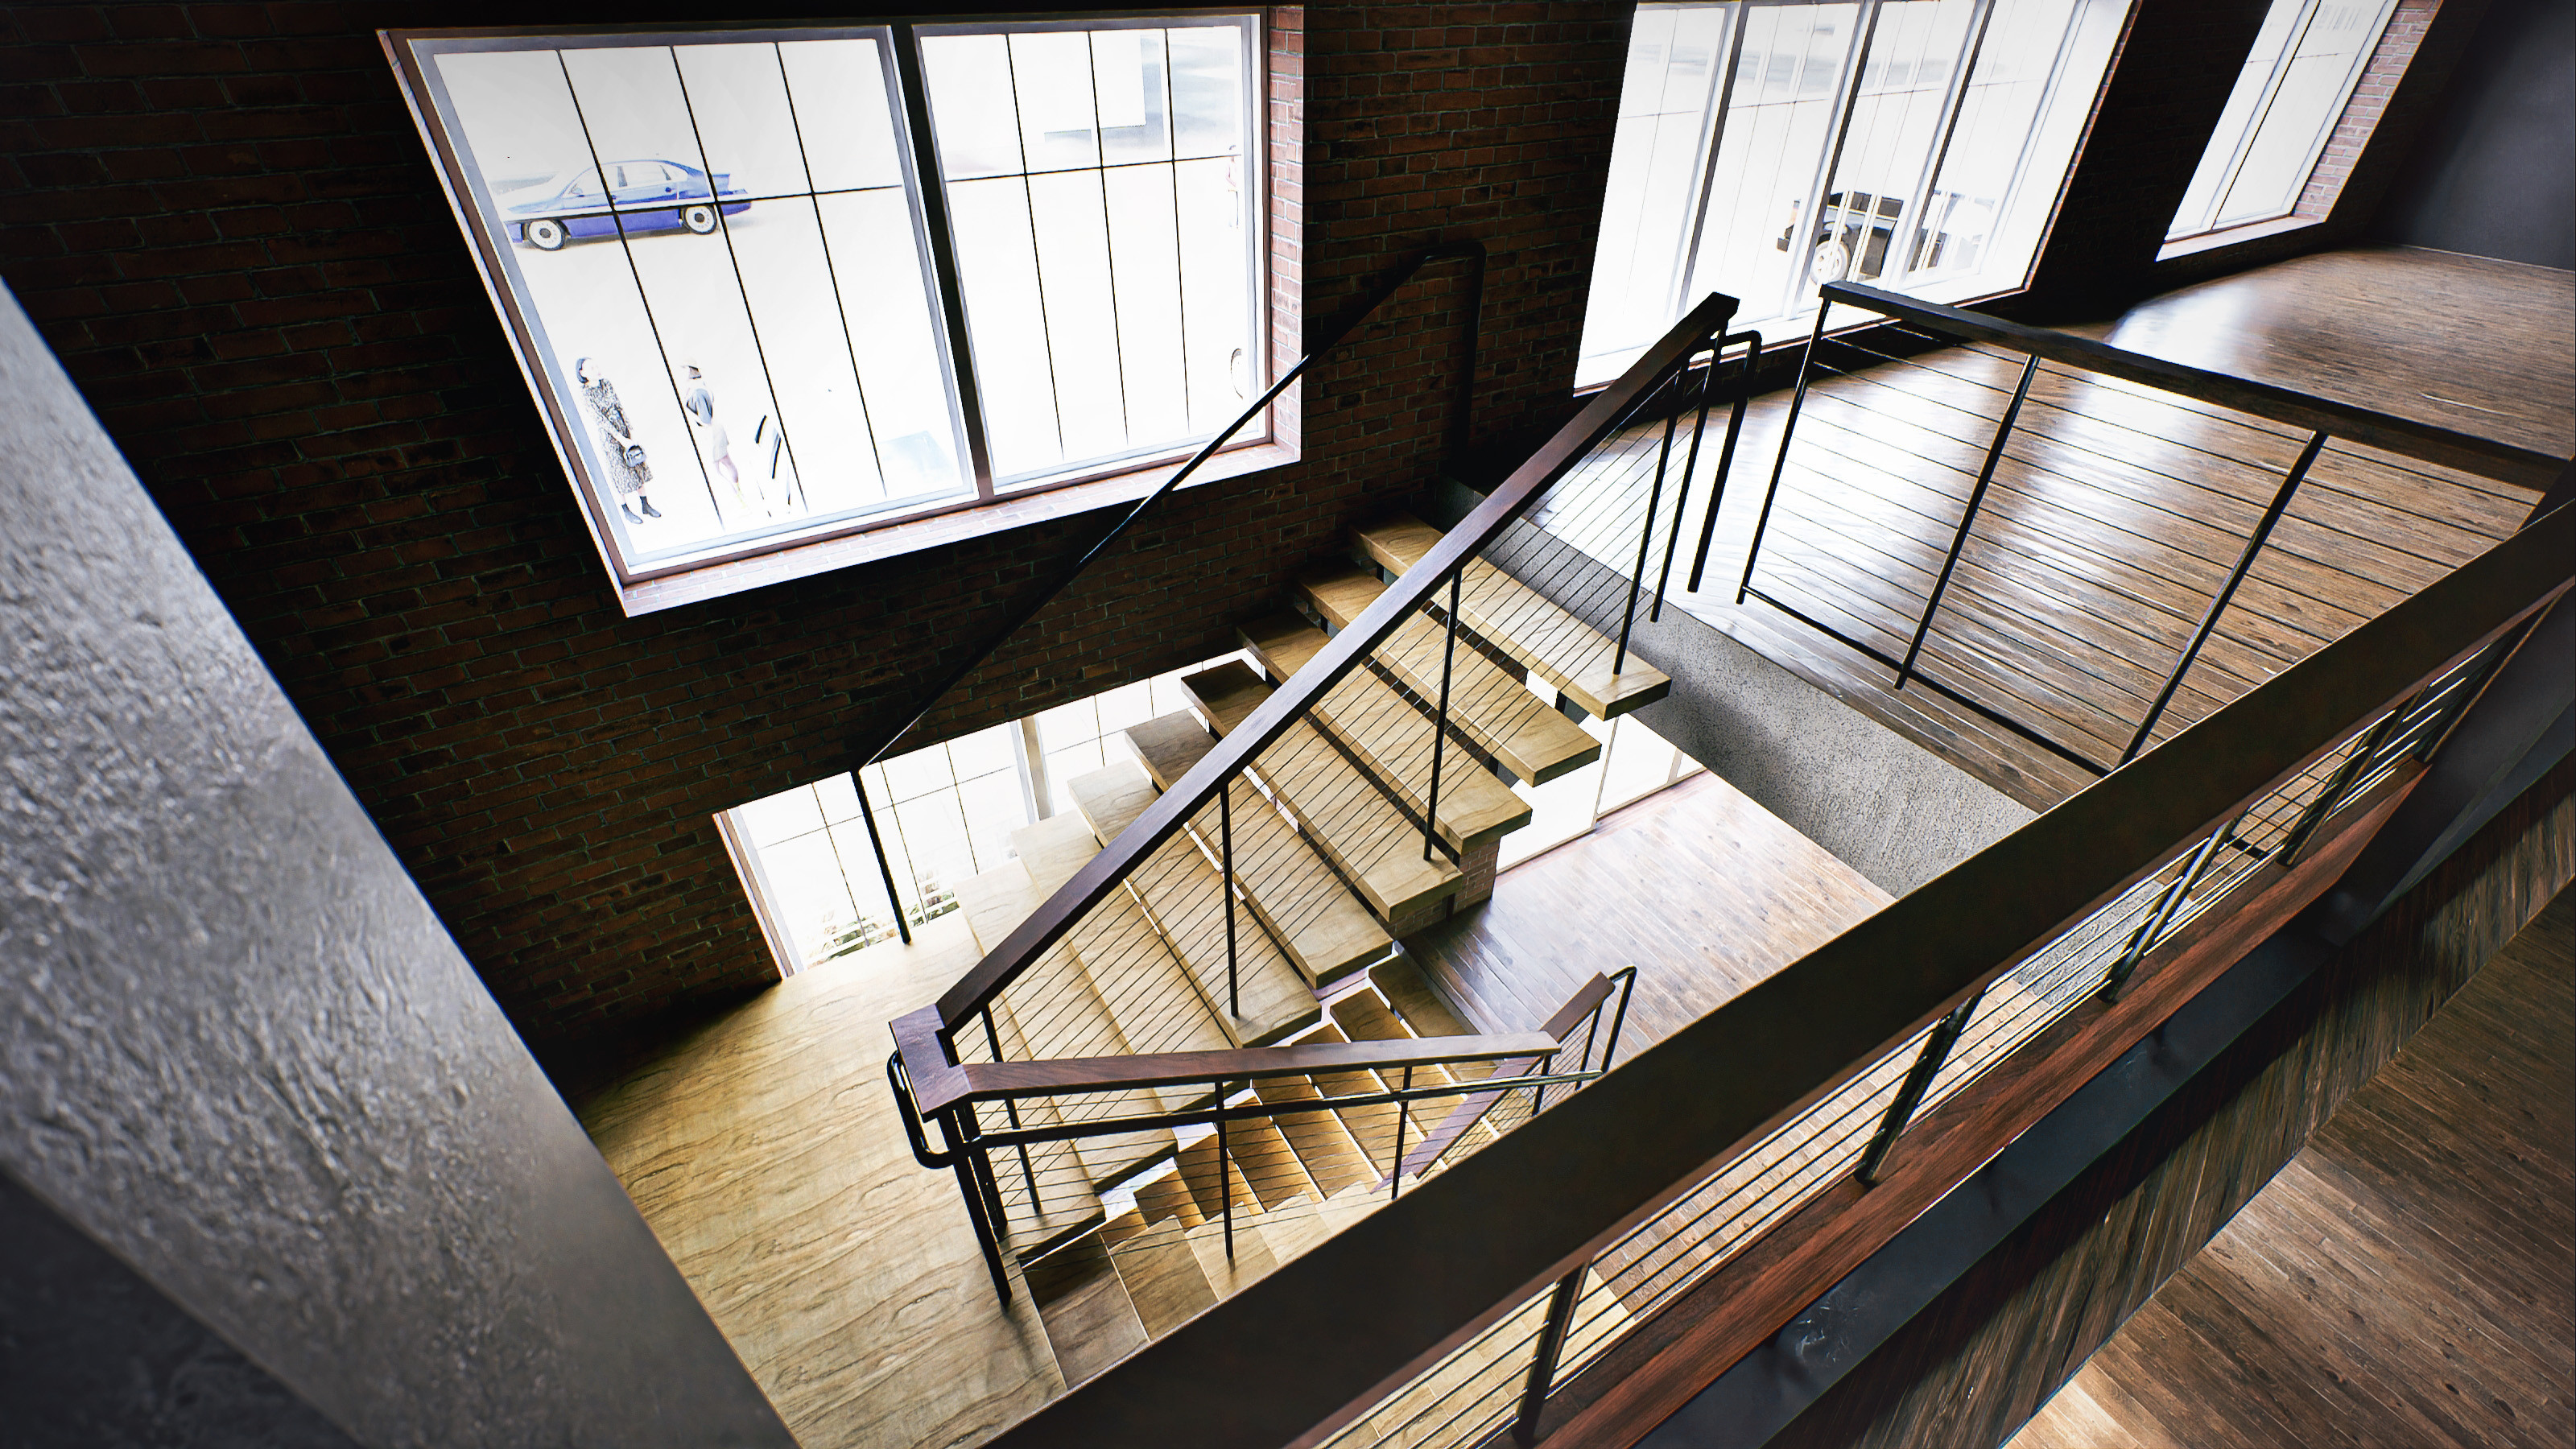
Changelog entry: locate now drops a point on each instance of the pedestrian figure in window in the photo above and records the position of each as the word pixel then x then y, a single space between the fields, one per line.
pixel 700 402
pixel 630 473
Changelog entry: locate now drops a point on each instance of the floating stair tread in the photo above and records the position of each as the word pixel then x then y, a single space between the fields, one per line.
pixel 1325 930
pixel 1184 898
pixel 1363 1017
pixel 1167 1197
pixel 1199 1171
pixel 1158 1269
pixel 1150 1002
pixel 1111 798
pixel 1320 1141
pixel 1372 721
pixel 1066 1206
pixel 1486 705
pixel 1346 818
pixel 1267 1163
pixel 1372 1127
pixel 1510 615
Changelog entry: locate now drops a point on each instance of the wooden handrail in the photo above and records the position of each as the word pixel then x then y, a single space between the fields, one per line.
pixel 939 1084
pixel 1478 1240
pixel 994 1081
pixel 1557 457
pixel 2427 442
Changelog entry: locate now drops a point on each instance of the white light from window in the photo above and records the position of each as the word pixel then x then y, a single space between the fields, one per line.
pixel 2306 61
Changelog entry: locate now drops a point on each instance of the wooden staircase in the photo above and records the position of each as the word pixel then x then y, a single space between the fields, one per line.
pixel 1330 869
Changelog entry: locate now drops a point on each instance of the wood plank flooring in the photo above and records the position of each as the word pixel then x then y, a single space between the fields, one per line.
pixel 2115 512
pixel 2409 1278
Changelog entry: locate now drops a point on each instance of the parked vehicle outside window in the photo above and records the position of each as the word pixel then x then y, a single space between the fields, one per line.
pixel 641 196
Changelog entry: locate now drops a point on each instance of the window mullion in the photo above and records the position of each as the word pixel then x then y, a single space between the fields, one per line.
pixel 1838 128
pixel 931 193
pixel 1910 229
pixel 1713 129
pixel 2254 125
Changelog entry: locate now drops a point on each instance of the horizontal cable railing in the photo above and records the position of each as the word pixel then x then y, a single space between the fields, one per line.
pixel 1445 1317
pixel 2089 547
pixel 1203 900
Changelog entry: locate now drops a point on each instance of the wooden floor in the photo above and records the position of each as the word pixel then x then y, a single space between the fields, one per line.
pixel 2117 513
pixel 2408 1280
pixel 766 1154
pixel 1703 891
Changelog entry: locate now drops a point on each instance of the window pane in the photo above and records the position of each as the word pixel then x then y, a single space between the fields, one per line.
pixel 2304 106
pixel 1067 724
pixel 982 752
pixel 732 357
pixel 1216 289
pixel 993 809
pixel 1207 90
pixel 916 773
pixel 997 260
pixel 1665 107
pixel 1081 320
pixel 780 816
pixel 1874 198
pixel 934 836
pixel 842 114
pixel 737 97
pixel 972 111
pixel 807 892
pixel 1144 250
pixel 1051 83
pixel 1127 79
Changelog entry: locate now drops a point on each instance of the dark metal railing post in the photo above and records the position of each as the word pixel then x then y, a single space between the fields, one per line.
pixel 1780 461
pixel 1225 838
pixel 1224 1172
pixel 987 1230
pixel 1403 1110
pixel 1626 976
pixel 2217 606
pixel 1551 1345
pixel 1681 495
pixel 1646 531
pixel 2152 928
pixel 1918 1080
pixel 1968 519
pixel 2331 797
pixel 1011 1109
pixel 902 925
pixel 1440 721
pixel 1726 454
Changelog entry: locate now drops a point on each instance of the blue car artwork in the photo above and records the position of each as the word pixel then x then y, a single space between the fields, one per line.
pixel 644 195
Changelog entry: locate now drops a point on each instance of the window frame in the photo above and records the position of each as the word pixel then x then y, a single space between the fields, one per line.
pixel 2209 231
pixel 728 565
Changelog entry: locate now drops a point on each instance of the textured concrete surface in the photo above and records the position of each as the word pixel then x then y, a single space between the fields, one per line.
pixel 238 1050
pixel 1883 805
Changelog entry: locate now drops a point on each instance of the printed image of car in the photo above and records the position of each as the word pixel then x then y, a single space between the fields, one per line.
pixel 644 195
pixel 1856 224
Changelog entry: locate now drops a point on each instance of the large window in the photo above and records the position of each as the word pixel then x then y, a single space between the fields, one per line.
pixel 1766 148
pixel 729 281
pixel 2295 86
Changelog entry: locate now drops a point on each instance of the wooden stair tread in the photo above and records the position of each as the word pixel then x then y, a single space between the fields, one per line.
pixel 1199 1173
pixel 1346 817
pixel 1065 1205
pixel 1320 1141
pixel 1324 929
pixel 1513 617
pixel 1183 897
pixel 1167 1197
pixel 1492 708
pixel 1371 720
pixel 1267 1163
pixel 1371 1127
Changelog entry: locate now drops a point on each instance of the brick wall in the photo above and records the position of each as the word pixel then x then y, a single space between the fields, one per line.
pixel 222 218
pixel 2370 97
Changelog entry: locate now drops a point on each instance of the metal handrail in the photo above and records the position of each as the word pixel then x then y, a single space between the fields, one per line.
pixel 2425 442
pixel 1481 1239
pixel 1339 332
pixel 1558 456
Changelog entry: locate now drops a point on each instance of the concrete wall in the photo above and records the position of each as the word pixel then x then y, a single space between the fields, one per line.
pixel 240 1053
pixel 2495 174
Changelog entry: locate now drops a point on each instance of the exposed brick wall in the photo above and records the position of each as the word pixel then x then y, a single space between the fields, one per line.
pixel 2370 97
pixel 222 218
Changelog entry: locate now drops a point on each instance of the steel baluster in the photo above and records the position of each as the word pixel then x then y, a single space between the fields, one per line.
pixel 987 1233
pixel 1780 461
pixel 2144 940
pixel 1011 1108
pixel 2217 606
pixel 1918 1081
pixel 1646 540
pixel 2331 797
pixel 1224 1172
pixel 1626 976
pixel 1681 495
pixel 1551 1344
pixel 1403 1106
pixel 1725 457
pixel 902 925
pixel 1440 723
pixel 1968 519
pixel 1225 836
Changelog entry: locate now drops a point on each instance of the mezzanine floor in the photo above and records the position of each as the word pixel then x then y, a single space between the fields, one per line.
pixel 2116 515
pixel 2408 1279
pixel 765 1151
